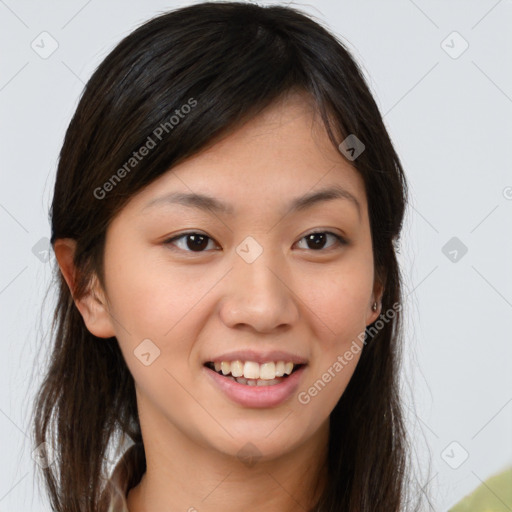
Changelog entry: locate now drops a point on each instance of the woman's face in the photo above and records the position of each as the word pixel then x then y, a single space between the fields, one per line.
pixel 246 284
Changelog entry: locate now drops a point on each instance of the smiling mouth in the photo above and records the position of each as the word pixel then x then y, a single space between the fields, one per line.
pixel 253 381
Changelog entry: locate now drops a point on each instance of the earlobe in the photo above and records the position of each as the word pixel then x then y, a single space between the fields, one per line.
pixel 374 312
pixel 375 307
pixel 93 304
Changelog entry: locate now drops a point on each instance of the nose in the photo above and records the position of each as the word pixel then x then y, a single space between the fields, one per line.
pixel 259 295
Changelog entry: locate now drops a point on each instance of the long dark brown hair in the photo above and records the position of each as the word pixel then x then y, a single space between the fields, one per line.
pixel 233 60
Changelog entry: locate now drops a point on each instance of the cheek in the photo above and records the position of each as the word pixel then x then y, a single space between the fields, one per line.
pixel 165 304
pixel 338 299
pixel 149 300
pixel 337 303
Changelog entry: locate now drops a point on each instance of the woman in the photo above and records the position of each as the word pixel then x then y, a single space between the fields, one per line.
pixel 224 217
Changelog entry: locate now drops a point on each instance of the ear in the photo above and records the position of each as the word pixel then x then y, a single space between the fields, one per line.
pixel 93 305
pixel 378 291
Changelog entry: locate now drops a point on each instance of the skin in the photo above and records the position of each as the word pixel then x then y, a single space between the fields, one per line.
pixel 197 305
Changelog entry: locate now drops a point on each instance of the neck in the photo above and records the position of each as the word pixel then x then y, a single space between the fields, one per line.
pixel 183 475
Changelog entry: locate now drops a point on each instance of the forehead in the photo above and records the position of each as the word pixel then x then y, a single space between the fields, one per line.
pixel 281 154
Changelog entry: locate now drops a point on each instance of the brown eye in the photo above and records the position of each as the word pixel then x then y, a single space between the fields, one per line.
pixel 194 242
pixel 316 240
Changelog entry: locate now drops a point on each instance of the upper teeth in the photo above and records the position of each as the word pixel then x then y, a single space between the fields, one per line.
pixel 253 370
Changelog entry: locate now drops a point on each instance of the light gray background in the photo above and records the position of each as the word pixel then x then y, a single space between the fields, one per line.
pixel 450 119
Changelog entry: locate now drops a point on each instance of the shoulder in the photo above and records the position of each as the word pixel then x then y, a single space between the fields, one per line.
pixel 493 495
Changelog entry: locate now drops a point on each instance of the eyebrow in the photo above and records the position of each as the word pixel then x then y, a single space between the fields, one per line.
pixel 301 203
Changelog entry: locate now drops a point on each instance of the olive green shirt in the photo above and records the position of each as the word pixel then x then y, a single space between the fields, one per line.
pixel 493 495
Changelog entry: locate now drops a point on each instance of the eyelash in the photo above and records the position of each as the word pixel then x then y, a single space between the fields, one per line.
pixel 339 239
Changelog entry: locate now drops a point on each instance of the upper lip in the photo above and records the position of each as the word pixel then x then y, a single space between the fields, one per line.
pixel 258 357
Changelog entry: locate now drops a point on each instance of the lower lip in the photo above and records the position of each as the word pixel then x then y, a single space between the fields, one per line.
pixel 257 396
